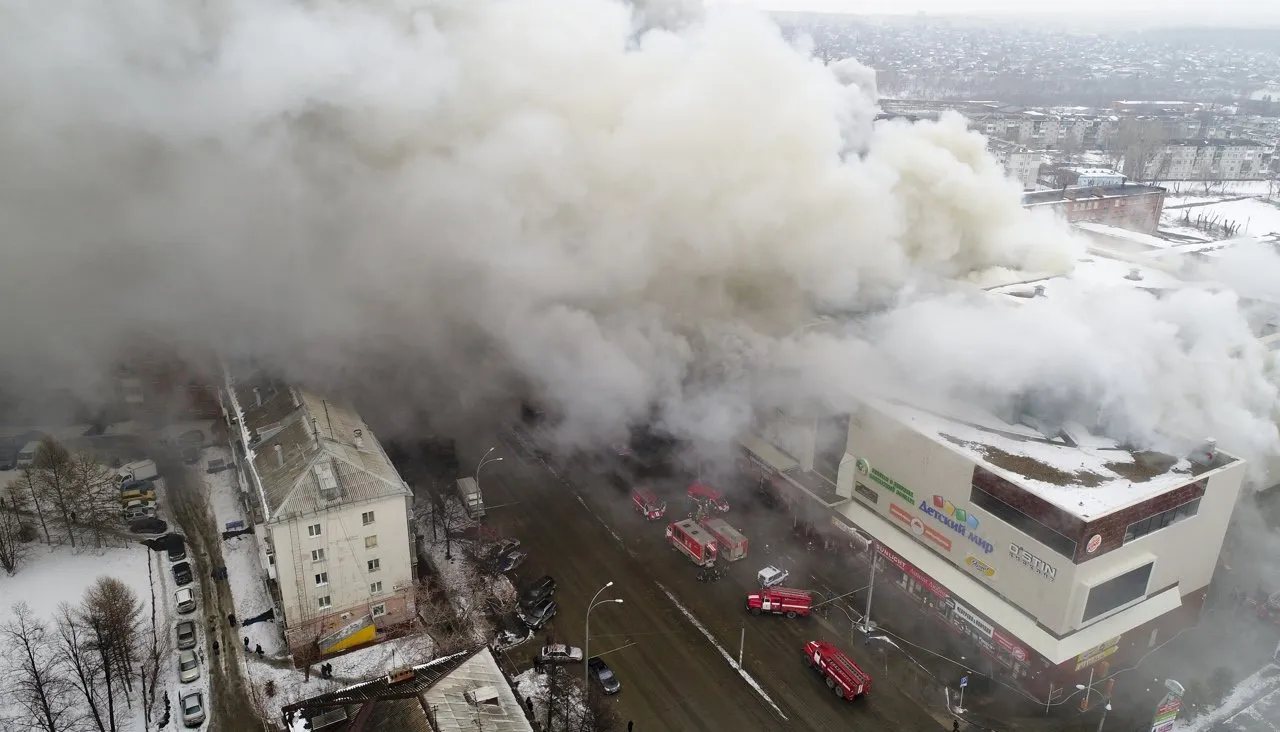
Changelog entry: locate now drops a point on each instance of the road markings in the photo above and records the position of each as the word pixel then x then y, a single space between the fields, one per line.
pixel 755 685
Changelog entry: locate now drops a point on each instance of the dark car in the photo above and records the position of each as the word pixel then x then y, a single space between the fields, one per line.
pixel 191 455
pixel 177 551
pixel 601 672
pixel 537 592
pixel 182 573
pixel 510 561
pixel 537 616
pixel 500 549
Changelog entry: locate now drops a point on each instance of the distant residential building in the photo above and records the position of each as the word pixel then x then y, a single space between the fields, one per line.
pixel 1075 176
pixel 332 511
pixel 153 384
pixel 1129 206
pixel 1021 164
pixel 1190 159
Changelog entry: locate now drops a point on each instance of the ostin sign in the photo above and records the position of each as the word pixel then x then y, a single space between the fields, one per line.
pixel 1035 563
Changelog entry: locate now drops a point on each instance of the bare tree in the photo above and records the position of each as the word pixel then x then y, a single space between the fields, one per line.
pixel 77 661
pixel 26 487
pixel 97 500
pixel 14 533
pixel 55 478
pixel 110 614
pixel 36 683
pixel 440 622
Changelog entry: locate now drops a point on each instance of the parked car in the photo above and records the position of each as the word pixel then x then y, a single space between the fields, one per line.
pixel 185 599
pixel 182 573
pixel 188 667
pixel 537 592
pixel 501 549
pixel 511 561
pixel 191 455
pixel 186 631
pixel 603 675
pixel 772 576
pixel 559 653
pixel 192 706
pixel 538 615
pixel 137 490
pixel 177 552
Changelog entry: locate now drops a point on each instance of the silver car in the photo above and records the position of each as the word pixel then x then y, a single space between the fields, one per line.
pixel 186 635
pixel 192 706
pixel 188 667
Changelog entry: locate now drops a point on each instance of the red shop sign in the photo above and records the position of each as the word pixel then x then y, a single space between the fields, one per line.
pixel 1010 646
pixel 925 580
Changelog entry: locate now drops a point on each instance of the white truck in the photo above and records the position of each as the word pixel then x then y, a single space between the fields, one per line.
pixel 472 501
pixel 137 470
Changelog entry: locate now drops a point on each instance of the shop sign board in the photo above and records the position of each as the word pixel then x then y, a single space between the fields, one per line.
pixel 1010 646
pixel 1037 565
pixel 1163 727
pixel 885 481
pixel 983 627
pixel 979 567
pixel 923 579
pixel 1097 653
pixel 918 527
pixel 957 519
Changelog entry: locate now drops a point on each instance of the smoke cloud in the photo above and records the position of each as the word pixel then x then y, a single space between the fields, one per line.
pixel 606 206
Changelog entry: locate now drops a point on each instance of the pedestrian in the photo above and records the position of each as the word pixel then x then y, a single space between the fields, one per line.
pixel 955 725
pixel 258 650
pixel 630 724
pixel 231 618
pixel 246 642
pixel 215 648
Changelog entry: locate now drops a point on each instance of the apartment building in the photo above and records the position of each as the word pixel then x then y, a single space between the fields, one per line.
pixel 332 512
pixel 1128 205
pixel 1191 159
pixel 1020 163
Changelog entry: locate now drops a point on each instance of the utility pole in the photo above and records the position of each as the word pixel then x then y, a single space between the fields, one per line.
pixel 742 642
pixel 871 588
pixel 551 689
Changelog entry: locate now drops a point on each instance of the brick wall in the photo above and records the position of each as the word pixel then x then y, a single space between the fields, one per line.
pixel 1028 503
pixel 1112 527
pixel 1138 212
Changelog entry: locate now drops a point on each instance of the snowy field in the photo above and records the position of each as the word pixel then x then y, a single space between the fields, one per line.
pixel 1253 216
pixel 1192 189
pixel 1252 706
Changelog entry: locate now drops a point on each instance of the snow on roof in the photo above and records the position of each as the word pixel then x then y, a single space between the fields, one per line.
pixel 1128 238
pixel 1094 270
pixel 1083 474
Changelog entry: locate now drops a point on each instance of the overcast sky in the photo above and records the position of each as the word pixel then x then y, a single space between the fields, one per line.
pixel 1245 13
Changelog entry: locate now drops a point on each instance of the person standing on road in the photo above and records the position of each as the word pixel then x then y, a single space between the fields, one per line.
pixel 246 642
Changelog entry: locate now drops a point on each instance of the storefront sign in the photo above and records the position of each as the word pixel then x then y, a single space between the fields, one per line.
pixel 1011 646
pixel 983 628
pixel 892 485
pixel 957 519
pixel 979 567
pixel 920 577
pixel 1095 541
pixel 1035 563
pixel 1097 653
pixel 870 495
pixel 918 528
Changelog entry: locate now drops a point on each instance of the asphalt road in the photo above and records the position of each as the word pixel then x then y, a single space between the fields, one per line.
pixel 230 708
pixel 583 531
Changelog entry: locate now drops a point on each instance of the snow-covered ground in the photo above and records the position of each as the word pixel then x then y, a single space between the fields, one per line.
pixel 533 685
pixel 1254 697
pixel 1251 216
pixel 464 584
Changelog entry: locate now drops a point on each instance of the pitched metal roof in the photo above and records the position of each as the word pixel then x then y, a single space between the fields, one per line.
pixel 311 454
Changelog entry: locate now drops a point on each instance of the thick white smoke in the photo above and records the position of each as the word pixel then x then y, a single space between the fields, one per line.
pixel 614 208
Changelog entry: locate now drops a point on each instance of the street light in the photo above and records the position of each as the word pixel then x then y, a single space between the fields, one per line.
pixel 1103 721
pixel 485 460
pixel 586 635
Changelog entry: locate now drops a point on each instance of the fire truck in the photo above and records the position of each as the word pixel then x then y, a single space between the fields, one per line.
pixel 696 542
pixel 780 601
pixel 704 495
pixel 730 542
pixel 844 677
pixel 648 504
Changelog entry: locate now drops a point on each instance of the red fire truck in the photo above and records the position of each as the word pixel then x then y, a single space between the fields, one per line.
pixel 694 541
pixel 703 494
pixel 844 677
pixel 648 504
pixel 780 601
pixel 730 542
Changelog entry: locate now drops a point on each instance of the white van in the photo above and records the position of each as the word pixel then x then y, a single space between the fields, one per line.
pixel 27 455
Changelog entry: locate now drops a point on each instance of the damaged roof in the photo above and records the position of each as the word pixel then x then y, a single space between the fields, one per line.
pixel 1085 475
pixel 311 453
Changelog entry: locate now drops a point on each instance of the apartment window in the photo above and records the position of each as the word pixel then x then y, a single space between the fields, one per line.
pixel 375 588
pixel 313 530
pixel 366 518
pixel 370 542
pixel 1117 591
pixel 375 565
pixel 322 578
pixel 1139 529
pixel 1024 523
pixel 324 602
pixel 317 555
pixel 379 610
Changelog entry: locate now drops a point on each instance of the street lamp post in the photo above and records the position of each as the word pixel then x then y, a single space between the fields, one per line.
pixel 485 460
pixel 871 588
pixel 586 634
pixel 1103 721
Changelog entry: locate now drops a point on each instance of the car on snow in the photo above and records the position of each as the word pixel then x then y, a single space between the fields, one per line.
pixel 192 707
pixel 603 675
pixel 177 551
pixel 188 667
pixel 185 600
pixel 772 576
pixel 191 455
pixel 186 631
pixel 538 615
pixel 559 653
pixel 182 573
pixel 502 548
pixel 535 593
pixel 510 561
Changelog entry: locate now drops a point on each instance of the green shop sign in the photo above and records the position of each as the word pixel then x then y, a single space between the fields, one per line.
pixel 890 484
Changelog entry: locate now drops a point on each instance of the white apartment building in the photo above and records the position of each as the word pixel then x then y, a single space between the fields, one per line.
pixel 1214 159
pixel 1019 163
pixel 1056 552
pixel 334 515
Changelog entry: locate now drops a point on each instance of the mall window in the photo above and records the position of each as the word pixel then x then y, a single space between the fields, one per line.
pixel 1022 522
pixel 1117 591
pixel 1139 529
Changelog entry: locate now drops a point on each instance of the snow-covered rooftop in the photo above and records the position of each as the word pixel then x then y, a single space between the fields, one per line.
pixel 1133 242
pixel 1083 474
pixel 1094 269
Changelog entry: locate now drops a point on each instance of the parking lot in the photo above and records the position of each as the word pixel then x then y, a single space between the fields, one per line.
pixel 581 529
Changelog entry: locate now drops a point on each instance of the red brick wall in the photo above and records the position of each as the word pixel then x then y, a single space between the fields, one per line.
pixel 1138 212
pixel 1028 503
pixel 1112 527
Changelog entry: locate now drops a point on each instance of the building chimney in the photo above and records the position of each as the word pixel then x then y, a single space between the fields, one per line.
pixel 1135 274
pixel 279 456
pixel 359 439
pixel 1039 291
pixel 257 395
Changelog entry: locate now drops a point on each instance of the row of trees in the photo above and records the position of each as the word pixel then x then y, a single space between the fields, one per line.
pixel 62 494
pixel 82 671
